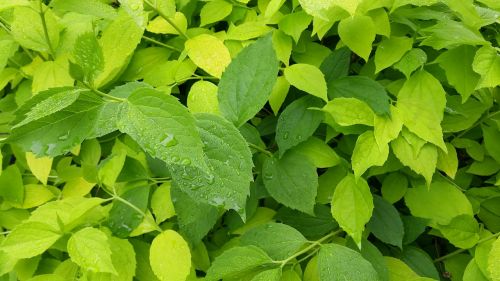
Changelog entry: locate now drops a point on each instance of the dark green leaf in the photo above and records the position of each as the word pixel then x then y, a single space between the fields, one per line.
pixel 386 223
pixel 122 217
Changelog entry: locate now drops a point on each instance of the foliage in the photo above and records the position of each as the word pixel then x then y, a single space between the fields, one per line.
pixel 249 140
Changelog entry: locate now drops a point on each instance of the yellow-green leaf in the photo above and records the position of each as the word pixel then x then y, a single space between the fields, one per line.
pixel 487 64
pixel 367 153
pixel 202 98
pixel 387 128
pixel 494 261
pixel 39 166
pixel 307 78
pixel 350 111
pixel 161 26
pixel 170 257
pixel 390 51
pixel 358 33
pixel 208 53
pixel 423 163
pixel 448 161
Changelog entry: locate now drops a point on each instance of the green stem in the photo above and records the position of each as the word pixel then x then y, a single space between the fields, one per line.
pixel 161 44
pixel 104 95
pixel 5 232
pixel 479 122
pixel 138 211
pixel 167 19
pixel 45 31
pixel 260 149
pixel 452 254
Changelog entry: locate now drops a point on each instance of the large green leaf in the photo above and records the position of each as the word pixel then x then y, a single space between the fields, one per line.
pixel 90 249
pixel 462 231
pixel 247 82
pixel 358 33
pixel 29 239
pixel 170 256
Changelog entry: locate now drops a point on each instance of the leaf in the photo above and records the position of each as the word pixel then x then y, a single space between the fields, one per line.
pixel 487 64
pixel 35 195
pixel 473 273
pixel 352 206
pixel 90 249
pixel 122 217
pixel 297 123
pixel 457 64
pixel 312 226
pixel 161 203
pixel 88 56
pixel 160 25
pixel 449 33
pixel 390 51
pixel 90 7
pixel 123 258
pixel 387 128
pixel 208 53
pixel 268 275
pixel 420 262
pixel 247 30
pixel 215 11
pixel 336 263
pixel 318 152
pixel 349 111
pixel 51 74
pixel 424 163
pixel 317 8
pixel 448 162
pixel 493 258
pixel 170 256
pixel 297 174
pixel 247 82
pixel 237 262
pixel 386 224
pixel 398 270
pixel 11 185
pixel 307 78
pixel 411 61
pixel 278 94
pixel 202 98
pixel 282 44
pixel 294 24
pixel 28 28
pixel 436 209
pixel 367 153
pixel 29 239
pixel 361 88
pixel 118 42
pixel 57 132
pixel 358 33
pixel 40 167
pixel 394 187
pixel 462 231
pixel 336 65
pixel 421 102
pixel 163 127
pixel 278 240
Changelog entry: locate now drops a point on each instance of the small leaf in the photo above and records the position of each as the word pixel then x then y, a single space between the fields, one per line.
pixel 411 61
pixel 161 203
pixel 40 167
pixel 390 51
pixel 394 187
pixel 338 263
pixel 386 223
pixel 424 163
pixel 358 33
pixel 307 78
pixel 202 98
pixel 462 231
pixel 448 162
pixel 318 152
pixel 352 206
pixel 11 185
pixel 88 55
pixel 170 257
pixel 294 24
pixel 29 239
pixel 349 111
pixel 208 53
pixel 387 128
pixel 215 11
pixel 123 218
pixel 90 249
pixel 367 153
pixel 278 94
pixel 160 25
pixel 487 64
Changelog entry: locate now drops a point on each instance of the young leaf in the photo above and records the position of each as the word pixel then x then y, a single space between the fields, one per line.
pixel 424 163
pixel 493 258
pixel 367 153
pixel 170 256
pixel 387 128
pixel 390 51
pixel 124 260
pixel 318 152
pixel 90 249
pixel 247 82
pixel 448 162
pixel 202 98
pixel 278 94
pixel 411 61
pixel 358 33
pixel 88 56
pixel 336 263
pixel 294 24
pixel 421 103
pixel 278 240
pixel 352 206
pixel 349 111
pixel 11 185
pixel 215 11
pixel 386 223
pixel 462 231
pixel 292 181
pixel 487 64
pixel 236 263
pixel 29 239
pixel 208 53
pixel 307 78
pixel 161 203
pixel 297 123
pixel 40 167
pixel 123 218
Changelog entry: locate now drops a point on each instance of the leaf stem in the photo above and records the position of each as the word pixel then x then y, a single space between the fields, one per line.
pixel 260 149
pixel 452 254
pixel 45 31
pixel 158 228
pixel 161 44
pixel 479 122
pixel 182 33
pixel 104 95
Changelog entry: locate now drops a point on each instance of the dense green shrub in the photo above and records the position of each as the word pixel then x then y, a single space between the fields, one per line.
pixel 250 140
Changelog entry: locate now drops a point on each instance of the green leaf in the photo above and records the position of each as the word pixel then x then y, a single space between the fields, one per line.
pixel 202 98
pixel 208 53
pixel 88 55
pixel 473 273
pixel 460 116
pixel 237 262
pixel 398 270
pixel 215 11
pixel 337 263
pixel 457 64
pixel 487 64
pixel 448 162
pixel 163 127
pixel 318 152
pixel 161 203
pixel 358 33
pixel 462 231
pixel 421 103
pixel 90 249
pixel 436 209
pixel 268 275
pixel 11 185
pixel 352 206
pixel 368 153
pixel 390 51
pixel 317 8
pixel 58 132
pixel 51 74
pixel 160 25
pixel 29 239
pixel 307 78
pixel 170 256
pixel 294 24
pixel 387 128
pixel 124 260
pixel 278 94
pixel 493 258
pixel 298 175
pixel 449 33
pixel 89 7
pixel 386 224
pixel 349 111
pixel 297 123
pixel 312 226
pixel 411 61
pixel 247 30
pixel 123 218
pixel 394 187
pixel 282 44
pixel 246 84
pixel 336 65
pixel 362 88
pixel 278 240
pixel 28 29
pixel 424 163
pixel 418 260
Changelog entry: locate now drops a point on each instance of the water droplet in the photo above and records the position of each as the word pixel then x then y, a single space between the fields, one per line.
pixel 169 140
pixel 63 137
pixel 185 162
pixel 210 179
pixel 134 6
pixel 299 137
pixel 268 176
pixel 174 159
pixel 285 136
